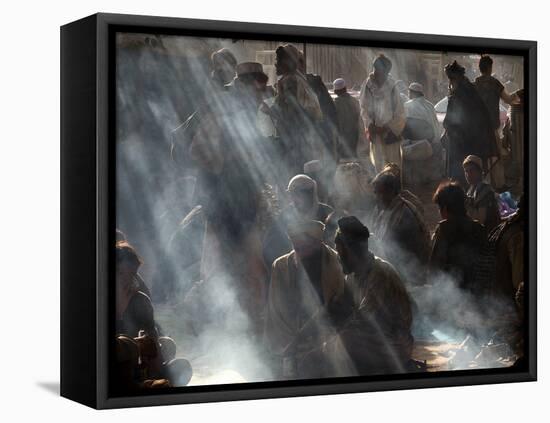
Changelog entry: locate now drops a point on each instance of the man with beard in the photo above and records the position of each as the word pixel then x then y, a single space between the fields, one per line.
pixel 304 205
pixel 467 124
pixel 401 233
pixel 383 114
pixel 296 112
pixel 305 285
pixel 378 337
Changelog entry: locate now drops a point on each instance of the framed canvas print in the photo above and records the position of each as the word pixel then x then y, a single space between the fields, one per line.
pixel 255 211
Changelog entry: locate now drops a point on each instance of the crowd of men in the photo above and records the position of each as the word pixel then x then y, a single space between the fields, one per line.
pixel 300 210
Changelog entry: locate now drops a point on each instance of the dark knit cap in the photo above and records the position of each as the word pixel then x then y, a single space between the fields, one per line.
pixel 351 228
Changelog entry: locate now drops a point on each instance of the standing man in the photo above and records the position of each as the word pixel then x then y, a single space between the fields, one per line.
pixel 467 124
pixel 305 284
pixel 351 131
pixel 297 111
pixel 383 114
pixel 491 92
pixel 418 108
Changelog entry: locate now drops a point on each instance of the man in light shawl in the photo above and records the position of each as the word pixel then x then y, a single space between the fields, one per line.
pixel 418 108
pixel 383 114
pixel 378 337
pixel 297 112
pixel 422 126
pixel 305 284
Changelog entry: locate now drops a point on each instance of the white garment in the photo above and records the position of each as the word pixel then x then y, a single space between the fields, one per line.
pixel 382 105
pixel 420 108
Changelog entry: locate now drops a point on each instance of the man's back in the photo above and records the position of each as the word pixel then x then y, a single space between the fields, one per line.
pixel 379 338
pixel 456 248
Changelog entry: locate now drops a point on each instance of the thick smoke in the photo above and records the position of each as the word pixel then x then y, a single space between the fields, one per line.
pixel 161 81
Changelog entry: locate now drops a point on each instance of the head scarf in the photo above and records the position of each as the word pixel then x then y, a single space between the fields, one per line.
pixel 383 63
pixel 454 70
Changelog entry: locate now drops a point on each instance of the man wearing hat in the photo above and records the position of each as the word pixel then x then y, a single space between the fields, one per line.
pixel 383 114
pixel 422 133
pixel 351 131
pixel 468 128
pixel 481 200
pixel 305 284
pixel 378 338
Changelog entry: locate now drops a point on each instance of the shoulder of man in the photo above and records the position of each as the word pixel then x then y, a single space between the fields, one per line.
pixel 282 261
pixel 484 194
pixel 140 302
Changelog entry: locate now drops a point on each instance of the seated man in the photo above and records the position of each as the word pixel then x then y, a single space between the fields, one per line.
pixel 458 240
pixel 401 232
pixel 481 202
pixel 135 320
pixel 378 337
pixel 304 205
pixel 305 285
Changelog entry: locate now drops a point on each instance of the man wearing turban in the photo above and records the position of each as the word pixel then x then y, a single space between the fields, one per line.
pixel 467 124
pixel 297 112
pixel 383 114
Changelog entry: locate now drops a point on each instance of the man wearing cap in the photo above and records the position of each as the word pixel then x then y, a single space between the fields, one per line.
pixel 481 201
pixel 467 124
pixel 419 108
pixel 422 131
pixel 378 336
pixel 304 205
pixel 305 285
pixel 351 131
pixel 383 114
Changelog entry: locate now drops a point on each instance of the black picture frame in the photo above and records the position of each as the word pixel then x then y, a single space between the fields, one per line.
pixel 88 207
